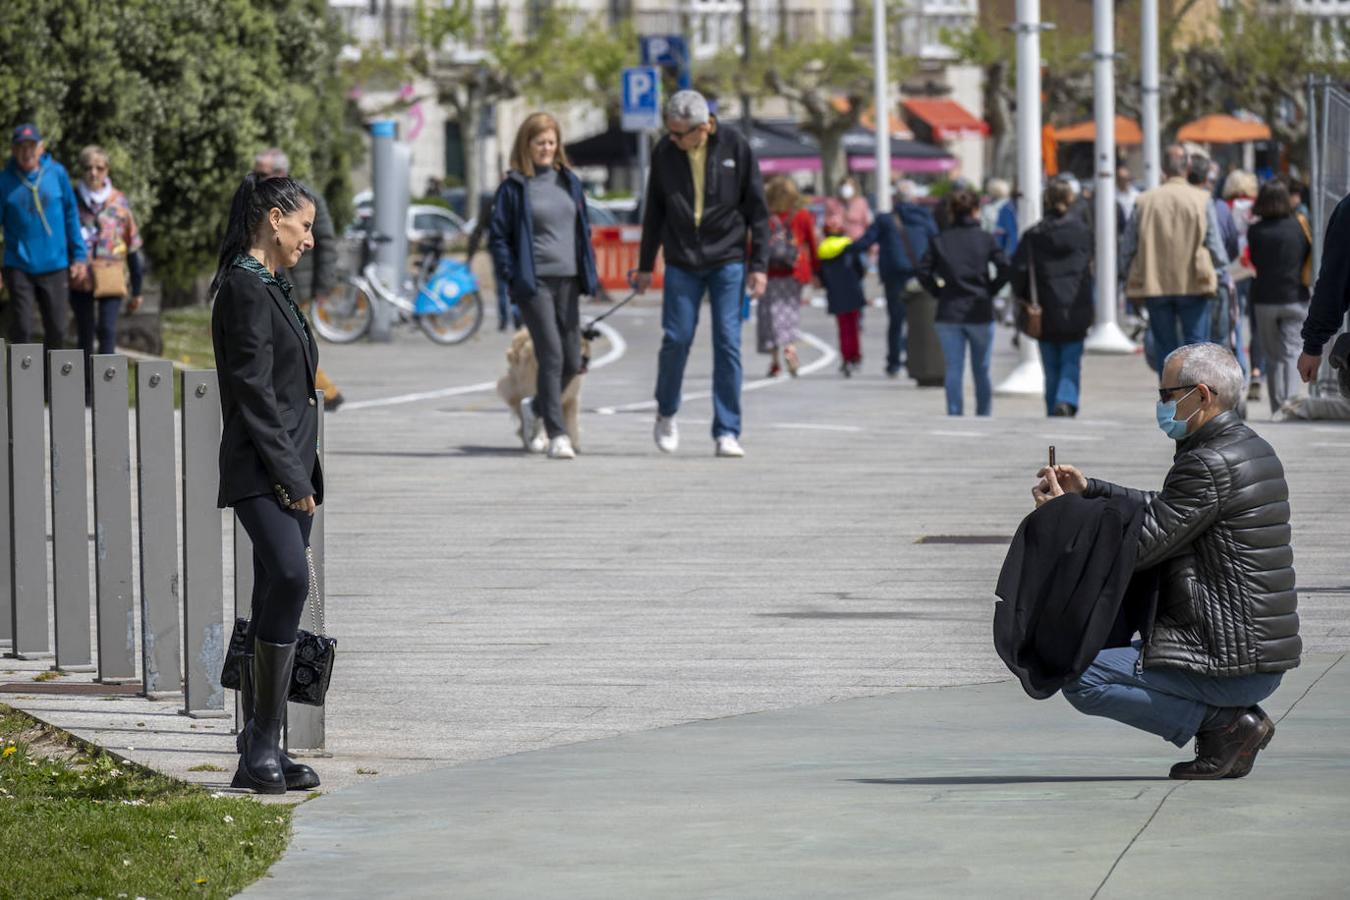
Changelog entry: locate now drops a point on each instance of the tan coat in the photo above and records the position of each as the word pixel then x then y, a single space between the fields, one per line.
pixel 1171 259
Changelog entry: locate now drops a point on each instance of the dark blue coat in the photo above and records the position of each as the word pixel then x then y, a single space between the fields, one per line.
pixel 894 263
pixel 842 277
pixel 511 237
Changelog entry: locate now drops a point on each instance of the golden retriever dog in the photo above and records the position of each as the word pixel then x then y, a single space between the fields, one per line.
pixel 521 382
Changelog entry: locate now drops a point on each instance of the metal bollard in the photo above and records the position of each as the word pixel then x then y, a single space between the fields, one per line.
pixel 70 510
pixel 157 499
pixel 6 560
pixel 28 507
pixel 114 600
pixel 203 599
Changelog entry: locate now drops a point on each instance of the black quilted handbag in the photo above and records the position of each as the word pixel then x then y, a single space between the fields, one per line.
pixel 314 653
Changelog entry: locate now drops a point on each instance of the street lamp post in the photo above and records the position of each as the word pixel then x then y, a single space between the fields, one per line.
pixel 1148 89
pixel 882 107
pixel 1106 336
pixel 1028 377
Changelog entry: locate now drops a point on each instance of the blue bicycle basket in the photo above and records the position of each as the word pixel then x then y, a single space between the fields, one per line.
pixel 449 284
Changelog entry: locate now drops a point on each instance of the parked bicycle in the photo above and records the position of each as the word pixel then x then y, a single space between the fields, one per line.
pixel 443 300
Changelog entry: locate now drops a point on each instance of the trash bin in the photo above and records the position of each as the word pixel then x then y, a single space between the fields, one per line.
pixel 923 352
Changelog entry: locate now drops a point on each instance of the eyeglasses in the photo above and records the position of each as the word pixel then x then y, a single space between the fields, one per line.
pixel 1165 393
pixel 681 135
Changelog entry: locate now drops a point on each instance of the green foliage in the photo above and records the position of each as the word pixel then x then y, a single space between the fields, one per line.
pixel 182 94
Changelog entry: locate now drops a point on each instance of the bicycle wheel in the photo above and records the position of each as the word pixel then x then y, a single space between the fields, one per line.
pixel 457 324
pixel 344 315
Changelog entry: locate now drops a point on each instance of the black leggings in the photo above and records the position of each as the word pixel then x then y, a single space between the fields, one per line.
pixel 280 568
pixel 553 318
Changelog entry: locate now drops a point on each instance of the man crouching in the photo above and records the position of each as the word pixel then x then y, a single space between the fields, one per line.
pixel 1226 626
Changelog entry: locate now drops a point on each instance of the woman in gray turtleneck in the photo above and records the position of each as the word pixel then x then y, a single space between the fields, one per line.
pixel 541 247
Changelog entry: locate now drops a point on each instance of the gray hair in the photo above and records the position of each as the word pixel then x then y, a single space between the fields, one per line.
pixel 906 191
pixel 1212 365
pixel 272 161
pixel 1174 161
pixel 998 188
pixel 689 107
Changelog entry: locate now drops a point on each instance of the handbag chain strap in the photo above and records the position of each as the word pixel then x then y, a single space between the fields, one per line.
pixel 315 595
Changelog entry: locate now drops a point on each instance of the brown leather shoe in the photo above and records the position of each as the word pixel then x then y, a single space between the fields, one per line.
pixel 1219 750
pixel 1244 765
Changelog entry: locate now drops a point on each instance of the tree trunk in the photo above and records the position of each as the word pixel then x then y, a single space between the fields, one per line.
pixel 470 124
pixel 833 162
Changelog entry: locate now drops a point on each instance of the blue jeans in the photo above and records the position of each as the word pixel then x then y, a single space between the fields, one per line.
pixel 1063 363
pixel 683 293
pixel 1170 703
pixel 1175 321
pixel 954 338
pixel 895 323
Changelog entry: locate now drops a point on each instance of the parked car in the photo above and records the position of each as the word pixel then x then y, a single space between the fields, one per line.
pixel 424 220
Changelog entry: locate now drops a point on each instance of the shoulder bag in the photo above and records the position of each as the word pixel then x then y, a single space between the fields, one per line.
pixel 1030 314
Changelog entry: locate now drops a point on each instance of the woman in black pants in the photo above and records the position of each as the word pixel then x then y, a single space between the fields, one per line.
pixel 541 248
pixel 269 468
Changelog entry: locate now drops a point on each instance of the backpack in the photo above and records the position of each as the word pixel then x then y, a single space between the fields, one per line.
pixel 782 249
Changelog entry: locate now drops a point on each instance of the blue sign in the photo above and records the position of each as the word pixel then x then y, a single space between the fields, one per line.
pixel 641 99
pixel 670 51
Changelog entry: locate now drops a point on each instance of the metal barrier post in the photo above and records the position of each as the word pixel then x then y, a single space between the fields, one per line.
pixel 305 724
pixel 114 599
pixel 157 499
pixel 70 510
pixel 243 596
pixel 6 559
pixel 28 508
pixel 203 600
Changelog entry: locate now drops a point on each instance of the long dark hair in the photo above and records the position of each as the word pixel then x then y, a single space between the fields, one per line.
pixel 256 196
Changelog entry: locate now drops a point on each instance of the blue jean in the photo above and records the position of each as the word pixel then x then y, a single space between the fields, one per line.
pixel 1170 703
pixel 954 338
pixel 1063 363
pixel 1175 321
pixel 895 323
pixel 682 295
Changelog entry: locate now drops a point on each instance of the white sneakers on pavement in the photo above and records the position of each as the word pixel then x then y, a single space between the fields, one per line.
pixel 531 428
pixel 728 446
pixel 666 433
pixel 561 448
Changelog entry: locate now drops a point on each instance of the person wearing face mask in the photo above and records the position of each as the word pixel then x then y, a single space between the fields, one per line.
pixel 540 239
pixel 848 210
pixel 1217 534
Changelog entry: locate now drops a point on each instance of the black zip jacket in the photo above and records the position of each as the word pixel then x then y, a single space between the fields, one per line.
pixel 1278 251
pixel 733 207
pixel 1331 296
pixel 1061 250
pixel 961 256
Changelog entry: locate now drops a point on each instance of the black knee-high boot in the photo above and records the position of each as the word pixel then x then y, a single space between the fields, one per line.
pixel 260 762
pixel 299 777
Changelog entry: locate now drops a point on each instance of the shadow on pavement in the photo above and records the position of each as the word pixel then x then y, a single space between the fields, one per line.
pixel 1006 779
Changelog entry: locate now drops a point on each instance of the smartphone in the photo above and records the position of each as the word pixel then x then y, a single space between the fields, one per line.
pixel 1052 456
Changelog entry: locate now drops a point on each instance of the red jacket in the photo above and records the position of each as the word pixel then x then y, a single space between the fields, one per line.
pixel 803 226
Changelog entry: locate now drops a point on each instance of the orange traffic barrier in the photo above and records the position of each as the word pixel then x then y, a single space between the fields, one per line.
pixel 616 254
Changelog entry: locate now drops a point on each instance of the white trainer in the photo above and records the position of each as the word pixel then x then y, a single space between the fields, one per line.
pixel 667 434
pixel 561 448
pixel 728 446
pixel 531 428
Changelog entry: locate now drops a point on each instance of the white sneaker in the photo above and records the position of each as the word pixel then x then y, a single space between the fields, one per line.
pixel 728 446
pixel 667 434
pixel 531 428
pixel 561 448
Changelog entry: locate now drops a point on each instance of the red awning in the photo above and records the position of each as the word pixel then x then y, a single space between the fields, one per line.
pixel 947 118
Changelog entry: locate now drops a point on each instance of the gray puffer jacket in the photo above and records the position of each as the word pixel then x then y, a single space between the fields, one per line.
pixel 1220 530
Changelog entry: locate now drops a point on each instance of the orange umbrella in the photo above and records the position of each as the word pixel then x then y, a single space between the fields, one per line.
pixel 1221 129
pixel 1127 132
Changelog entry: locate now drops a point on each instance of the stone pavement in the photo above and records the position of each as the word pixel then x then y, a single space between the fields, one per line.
pixel 490 604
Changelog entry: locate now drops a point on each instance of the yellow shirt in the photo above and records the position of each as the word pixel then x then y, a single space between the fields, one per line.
pixel 698 167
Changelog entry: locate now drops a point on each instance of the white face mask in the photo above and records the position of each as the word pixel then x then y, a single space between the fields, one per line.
pixel 846 192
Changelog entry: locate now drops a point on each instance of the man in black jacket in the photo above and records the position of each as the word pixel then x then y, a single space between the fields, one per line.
pixel 705 198
pixel 1218 533
pixel 1331 296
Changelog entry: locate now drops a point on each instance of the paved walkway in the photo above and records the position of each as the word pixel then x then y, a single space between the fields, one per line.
pixel 491 604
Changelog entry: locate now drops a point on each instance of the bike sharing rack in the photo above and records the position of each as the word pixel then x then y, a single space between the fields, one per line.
pixel 391 184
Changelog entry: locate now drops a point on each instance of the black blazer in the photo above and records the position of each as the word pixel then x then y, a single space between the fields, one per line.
pixel 1061 249
pixel 265 362
pixel 961 256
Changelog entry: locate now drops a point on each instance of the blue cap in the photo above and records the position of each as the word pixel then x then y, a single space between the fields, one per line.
pixel 26 132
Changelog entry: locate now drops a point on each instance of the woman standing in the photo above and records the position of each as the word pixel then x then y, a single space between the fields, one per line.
pixel 1057 253
pixel 112 241
pixel 956 270
pixel 847 212
pixel 792 263
pixel 541 247
pixel 1279 294
pixel 269 468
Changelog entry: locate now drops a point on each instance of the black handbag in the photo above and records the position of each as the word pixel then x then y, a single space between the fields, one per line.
pixel 314 652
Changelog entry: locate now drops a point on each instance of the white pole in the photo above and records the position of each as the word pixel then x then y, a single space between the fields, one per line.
pixel 1148 86
pixel 1106 336
pixel 1028 377
pixel 882 107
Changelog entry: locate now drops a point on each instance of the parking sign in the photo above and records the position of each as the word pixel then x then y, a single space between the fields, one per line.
pixel 641 99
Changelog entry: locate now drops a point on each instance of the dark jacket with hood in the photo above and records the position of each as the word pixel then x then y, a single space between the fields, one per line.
pixel 511 236
pixel 894 262
pixel 733 208
pixel 961 257
pixel 1061 249
pixel 1219 533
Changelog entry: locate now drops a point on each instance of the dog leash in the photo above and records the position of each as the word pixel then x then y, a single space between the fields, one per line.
pixel 589 331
